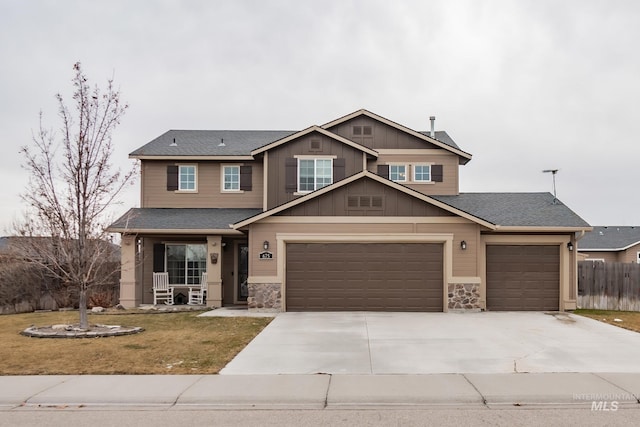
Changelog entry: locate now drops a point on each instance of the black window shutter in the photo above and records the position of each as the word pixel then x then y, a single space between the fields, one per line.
pixel 436 173
pixel 245 178
pixel 338 169
pixel 172 178
pixel 383 171
pixel 158 257
pixel 290 175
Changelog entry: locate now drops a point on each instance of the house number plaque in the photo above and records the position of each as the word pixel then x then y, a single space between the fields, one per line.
pixel 265 255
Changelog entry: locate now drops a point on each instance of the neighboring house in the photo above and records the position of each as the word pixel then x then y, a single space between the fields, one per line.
pixel 361 213
pixel 611 244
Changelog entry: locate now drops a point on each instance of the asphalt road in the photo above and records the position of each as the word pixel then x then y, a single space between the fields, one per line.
pixel 122 417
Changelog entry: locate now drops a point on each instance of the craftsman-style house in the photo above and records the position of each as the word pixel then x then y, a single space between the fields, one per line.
pixel 361 213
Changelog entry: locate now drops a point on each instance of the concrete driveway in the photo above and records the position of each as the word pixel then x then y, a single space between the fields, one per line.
pixel 427 343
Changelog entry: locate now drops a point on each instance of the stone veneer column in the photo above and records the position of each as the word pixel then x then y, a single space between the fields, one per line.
pixel 265 297
pixel 464 296
pixel 129 294
pixel 214 271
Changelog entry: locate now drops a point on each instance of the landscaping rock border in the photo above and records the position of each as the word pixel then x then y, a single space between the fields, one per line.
pixel 74 331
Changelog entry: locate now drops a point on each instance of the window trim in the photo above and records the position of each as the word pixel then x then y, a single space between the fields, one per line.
pixel 414 173
pixel 186 267
pixel 222 179
pixel 406 172
pixel 195 178
pixel 314 158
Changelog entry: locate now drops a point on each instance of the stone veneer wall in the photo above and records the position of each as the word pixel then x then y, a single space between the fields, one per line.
pixel 265 297
pixel 464 296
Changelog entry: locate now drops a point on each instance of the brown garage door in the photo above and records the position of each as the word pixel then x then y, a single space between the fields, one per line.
pixel 523 278
pixel 364 276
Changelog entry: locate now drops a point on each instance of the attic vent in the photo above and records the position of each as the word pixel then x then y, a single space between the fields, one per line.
pixel 315 145
pixel 357 130
pixel 365 202
pixel 367 130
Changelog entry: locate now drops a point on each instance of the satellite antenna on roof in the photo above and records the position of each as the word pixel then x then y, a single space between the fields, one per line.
pixel 553 173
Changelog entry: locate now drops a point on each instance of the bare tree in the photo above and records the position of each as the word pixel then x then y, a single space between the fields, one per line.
pixel 71 185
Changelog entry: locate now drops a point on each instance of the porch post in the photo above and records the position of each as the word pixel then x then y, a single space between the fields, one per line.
pixel 214 271
pixel 129 298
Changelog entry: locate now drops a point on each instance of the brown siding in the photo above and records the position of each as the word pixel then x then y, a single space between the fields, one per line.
pixel 276 191
pixel 394 203
pixel 209 195
pixel 449 162
pixel 384 136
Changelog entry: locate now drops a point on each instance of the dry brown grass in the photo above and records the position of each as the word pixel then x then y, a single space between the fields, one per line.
pixel 172 343
pixel 629 319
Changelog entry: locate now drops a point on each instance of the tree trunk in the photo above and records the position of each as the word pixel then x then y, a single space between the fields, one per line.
pixel 82 307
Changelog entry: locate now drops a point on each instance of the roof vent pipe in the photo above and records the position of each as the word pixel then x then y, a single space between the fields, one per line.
pixel 173 144
pixel 221 143
pixel 433 126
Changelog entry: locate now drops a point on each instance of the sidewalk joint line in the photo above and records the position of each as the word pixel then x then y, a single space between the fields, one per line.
pixel 616 385
pixel 326 395
pixel 366 327
pixel 484 400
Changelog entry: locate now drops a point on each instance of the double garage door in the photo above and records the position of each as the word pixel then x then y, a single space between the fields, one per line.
pixel 364 276
pixel 521 278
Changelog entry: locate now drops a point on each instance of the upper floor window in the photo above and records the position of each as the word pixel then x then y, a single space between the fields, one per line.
pixel 422 173
pixel 187 178
pixel 398 173
pixel 314 174
pixel 231 178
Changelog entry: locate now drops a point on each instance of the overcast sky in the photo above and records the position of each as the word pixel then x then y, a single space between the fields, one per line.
pixel 522 85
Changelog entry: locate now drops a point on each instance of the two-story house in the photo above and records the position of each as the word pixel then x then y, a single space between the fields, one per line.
pixel 361 213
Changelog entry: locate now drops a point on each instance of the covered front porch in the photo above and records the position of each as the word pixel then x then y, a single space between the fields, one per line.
pixel 152 242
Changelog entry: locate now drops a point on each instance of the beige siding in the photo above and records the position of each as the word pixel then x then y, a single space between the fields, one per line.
pixel 606 256
pixel 276 194
pixel 631 254
pixel 449 162
pixel 209 194
pixel 384 136
pixel 464 262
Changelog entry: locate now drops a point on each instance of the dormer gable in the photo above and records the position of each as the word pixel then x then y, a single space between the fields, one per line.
pixel 379 133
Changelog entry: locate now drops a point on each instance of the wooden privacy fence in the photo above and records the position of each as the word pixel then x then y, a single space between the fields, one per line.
pixel 609 286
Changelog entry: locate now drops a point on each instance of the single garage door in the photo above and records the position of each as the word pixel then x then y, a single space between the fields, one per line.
pixel 364 277
pixel 523 278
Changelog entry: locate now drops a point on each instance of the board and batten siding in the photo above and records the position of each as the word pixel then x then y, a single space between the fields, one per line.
pixel 154 193
pixel 277 157
pixel 383 136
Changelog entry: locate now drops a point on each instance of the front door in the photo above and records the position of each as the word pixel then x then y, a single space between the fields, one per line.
pixel 242 290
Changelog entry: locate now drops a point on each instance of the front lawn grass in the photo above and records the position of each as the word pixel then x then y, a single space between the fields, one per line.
pixel 629 319
pixel 172 343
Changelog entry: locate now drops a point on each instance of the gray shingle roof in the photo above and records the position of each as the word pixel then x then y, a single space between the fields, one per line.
pixel 610 238
pixel 180 219
pixel 516 209
pixel 207 142
pixel 442 136
pixel 236 142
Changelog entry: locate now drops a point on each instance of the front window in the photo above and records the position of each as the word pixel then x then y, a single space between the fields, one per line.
pixel 422 173
pixel 398 173
pixel 187 178
pixel 231 178
pixel 314 174
pixel 186 263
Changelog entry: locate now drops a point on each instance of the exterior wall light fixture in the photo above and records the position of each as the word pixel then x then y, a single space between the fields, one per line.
pixel 570 246
pixel 265 245
pixel 463 245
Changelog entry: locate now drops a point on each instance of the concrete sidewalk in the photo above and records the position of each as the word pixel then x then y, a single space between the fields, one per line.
pixel 320 391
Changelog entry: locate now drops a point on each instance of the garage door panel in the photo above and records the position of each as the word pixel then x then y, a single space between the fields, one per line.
pixel 523 277
pixel 364 276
